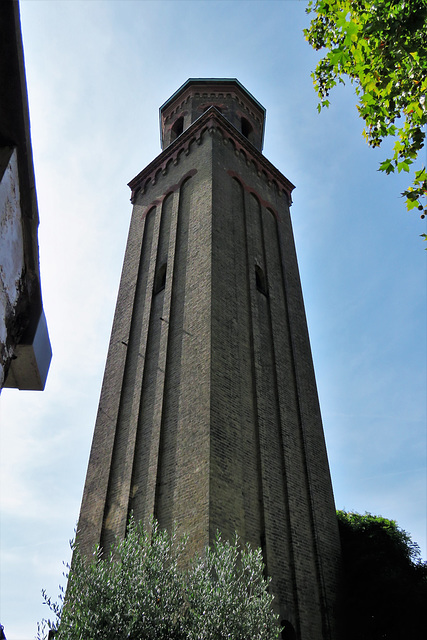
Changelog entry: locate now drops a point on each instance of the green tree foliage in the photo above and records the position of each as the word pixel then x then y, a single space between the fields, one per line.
pixel 381 46
pixel 384 594
pixel 142 591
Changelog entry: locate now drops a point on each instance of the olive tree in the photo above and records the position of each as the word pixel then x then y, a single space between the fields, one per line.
pixel 144 589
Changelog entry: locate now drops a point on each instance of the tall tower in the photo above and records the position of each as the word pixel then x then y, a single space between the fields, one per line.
pixel 209 415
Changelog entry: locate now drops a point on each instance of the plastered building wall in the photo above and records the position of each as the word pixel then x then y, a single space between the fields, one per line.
pixel 25 351
pixel 12 252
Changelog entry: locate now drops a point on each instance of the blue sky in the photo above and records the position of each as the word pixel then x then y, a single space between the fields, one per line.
pixel 97 72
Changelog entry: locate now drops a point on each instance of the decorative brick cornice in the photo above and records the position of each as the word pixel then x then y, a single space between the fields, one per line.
pixel 210 121
pixel 218 87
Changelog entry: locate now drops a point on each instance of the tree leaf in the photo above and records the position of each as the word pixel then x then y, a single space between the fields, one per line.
pixel 381 46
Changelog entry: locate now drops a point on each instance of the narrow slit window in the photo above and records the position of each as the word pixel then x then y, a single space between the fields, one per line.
pixel 246 127
pixel 177 128
pixel 260 280
pixel 160 281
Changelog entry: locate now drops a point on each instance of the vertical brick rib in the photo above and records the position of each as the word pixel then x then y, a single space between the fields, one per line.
pixel 320 502
pixel 300 525
pixel 234 474
pixel 251 481
pixel 92 511
pixel 117 500
pixel 279 556
pixel 165 475
pixel 149 418
pixel 261 542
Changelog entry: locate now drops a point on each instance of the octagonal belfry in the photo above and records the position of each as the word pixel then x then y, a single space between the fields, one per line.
pixel 209 416
pixel 227 95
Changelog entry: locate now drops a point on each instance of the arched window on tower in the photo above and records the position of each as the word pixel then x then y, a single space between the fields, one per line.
pixel 246 128
pixel 177 128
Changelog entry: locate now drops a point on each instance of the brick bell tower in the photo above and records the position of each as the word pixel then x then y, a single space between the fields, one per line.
pixel 209 415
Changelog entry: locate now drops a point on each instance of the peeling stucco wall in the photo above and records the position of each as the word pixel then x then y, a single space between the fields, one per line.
pixel 11 255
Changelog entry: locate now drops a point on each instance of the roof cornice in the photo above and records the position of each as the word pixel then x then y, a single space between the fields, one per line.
pixel 205 82
pixel 210 119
